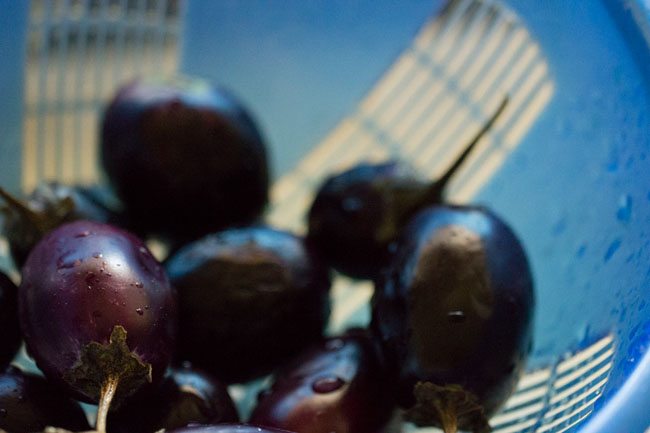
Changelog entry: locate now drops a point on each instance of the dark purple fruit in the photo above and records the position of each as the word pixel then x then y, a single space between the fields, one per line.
pixel 227 428
pixel 357 214
pixel 186 396
pixel 29 403
pixel 454 316
pixel 10 337
pixel 249 299
pixel 97 312
pixel 338 385
pixel 50 205
pixel 185 157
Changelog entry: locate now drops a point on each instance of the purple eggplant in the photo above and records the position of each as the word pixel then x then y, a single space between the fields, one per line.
pixel 338 385
pixel 454 315
pixel 98 313
pixel 186 396
pixel 29 403
pixel 249 299
pixel 185 157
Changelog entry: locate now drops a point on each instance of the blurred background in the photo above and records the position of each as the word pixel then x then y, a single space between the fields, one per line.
pixel 333 82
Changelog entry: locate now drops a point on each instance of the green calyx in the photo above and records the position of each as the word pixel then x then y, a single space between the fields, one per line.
pixel 449 407
pixel 102 363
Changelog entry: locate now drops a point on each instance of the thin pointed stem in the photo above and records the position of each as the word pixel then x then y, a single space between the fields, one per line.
pixel 107 394
pixel 440 184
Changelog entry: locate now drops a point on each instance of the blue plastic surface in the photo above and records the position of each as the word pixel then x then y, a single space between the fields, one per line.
pixel 584 171
pixel 13 25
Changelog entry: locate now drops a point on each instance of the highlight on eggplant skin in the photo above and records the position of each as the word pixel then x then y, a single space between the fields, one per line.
pixel 455 309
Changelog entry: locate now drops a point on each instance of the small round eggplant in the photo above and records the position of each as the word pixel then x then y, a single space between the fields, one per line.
pixel 29 403
pixel 249 299
pixel 454 316
pixel 98 313
pixel 186 396
pixel 338 385
pixel 185 157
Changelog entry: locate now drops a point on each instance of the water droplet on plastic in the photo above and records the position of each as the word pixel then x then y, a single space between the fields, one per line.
pixel 98 255
pixel 612 165
pixel 82 234
pixel 633 332
pixel 139 285
pixel 624 212
pixel 327 384
pixel 613 247
pixel 456 316
pixel 139 311
pixel 146 307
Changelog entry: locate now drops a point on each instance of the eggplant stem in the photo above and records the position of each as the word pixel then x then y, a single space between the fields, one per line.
pixel 440 184
pixel 449 425
pixel 106 396
pixel 448 418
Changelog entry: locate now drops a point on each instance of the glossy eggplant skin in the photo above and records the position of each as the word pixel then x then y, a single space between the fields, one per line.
pixel 29 403
pixel 249 299
pixel 358 213
pixel 10 335
pixel 227 428
pixel 456 306
pixel 338 385
pixel 186 396
pixel 185 157
pixel 81 281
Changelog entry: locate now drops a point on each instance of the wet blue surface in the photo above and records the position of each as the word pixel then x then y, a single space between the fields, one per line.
pixel 13 25
pixel 578 188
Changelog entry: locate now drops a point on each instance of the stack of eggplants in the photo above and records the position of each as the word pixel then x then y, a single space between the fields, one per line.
pixel 156 345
